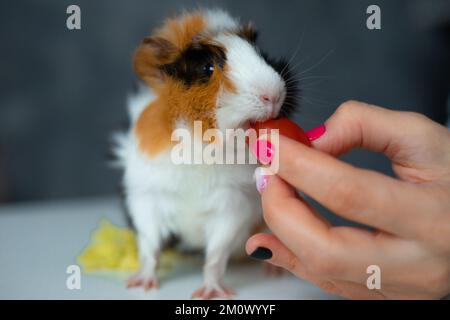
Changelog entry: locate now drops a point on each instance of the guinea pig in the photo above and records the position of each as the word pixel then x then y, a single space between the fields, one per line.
pixel 199 66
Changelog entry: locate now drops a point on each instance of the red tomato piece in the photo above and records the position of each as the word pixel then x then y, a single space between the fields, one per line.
pixel 287 128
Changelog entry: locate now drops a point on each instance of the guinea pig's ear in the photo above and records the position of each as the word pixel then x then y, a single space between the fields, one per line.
pixel 248 32
pixel 150 55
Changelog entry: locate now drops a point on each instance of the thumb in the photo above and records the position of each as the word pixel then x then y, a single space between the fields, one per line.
pixel 357 124
pixel 416 145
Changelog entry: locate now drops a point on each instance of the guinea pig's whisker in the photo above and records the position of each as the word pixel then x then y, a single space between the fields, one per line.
pixel 318 103
pixel 291 77
pixel 298 64
pixel 297 49
pixel 311 84
pixel 318 63
pixel 316 77
pixel 321 101
pixel 291 80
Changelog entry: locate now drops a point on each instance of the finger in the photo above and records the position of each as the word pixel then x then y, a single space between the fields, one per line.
pixel 360 195
pixel 291 218
pixel 283 257
pixel 416 145
pixel 339 253
pixel 300 228
pixel 357 124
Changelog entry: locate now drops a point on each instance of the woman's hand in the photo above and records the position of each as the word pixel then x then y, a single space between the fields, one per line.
pixel 411 214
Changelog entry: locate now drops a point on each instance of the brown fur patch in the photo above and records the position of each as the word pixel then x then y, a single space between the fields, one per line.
pixel 153 52
pixel 154 128
pixel 181 31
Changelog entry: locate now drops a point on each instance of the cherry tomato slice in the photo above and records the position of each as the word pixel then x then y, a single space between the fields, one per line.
pixel 287 128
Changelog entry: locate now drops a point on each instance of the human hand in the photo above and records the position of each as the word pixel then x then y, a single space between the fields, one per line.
pixel 410 213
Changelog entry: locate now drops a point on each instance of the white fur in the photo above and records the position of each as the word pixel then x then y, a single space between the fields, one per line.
pixel 219 20
pixel 252 77
pixel 209 206
pixel 136 103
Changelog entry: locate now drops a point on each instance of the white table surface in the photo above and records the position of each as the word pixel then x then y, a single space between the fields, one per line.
pixel 38 241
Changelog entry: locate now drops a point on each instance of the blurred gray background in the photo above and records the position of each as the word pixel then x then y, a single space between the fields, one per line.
pixel 62 92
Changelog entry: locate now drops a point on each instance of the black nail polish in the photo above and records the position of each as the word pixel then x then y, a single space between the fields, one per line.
pixel 261 253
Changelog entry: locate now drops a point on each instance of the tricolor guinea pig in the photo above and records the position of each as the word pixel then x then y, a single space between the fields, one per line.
pixel 199 66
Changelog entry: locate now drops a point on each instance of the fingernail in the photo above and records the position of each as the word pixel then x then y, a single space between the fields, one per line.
pixel 263 151
pixel 261 253
pixel 316 132
pixel 261 179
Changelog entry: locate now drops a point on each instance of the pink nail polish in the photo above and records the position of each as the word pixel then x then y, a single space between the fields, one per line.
pixel 316 132
pixel 261 179
pixel 263 151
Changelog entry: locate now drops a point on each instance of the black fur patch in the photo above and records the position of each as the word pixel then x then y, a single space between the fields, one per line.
pixel 248 32
pixel 281 66
pixel 196 64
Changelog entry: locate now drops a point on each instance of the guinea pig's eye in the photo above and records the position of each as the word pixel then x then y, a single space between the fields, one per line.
pixel 208 69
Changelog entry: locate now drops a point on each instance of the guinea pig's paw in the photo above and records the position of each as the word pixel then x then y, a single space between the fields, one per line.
pixel 208 292
pixel 271 270
pixel 147 282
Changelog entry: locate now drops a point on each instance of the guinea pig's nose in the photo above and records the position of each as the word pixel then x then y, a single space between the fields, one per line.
pixel 266 98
